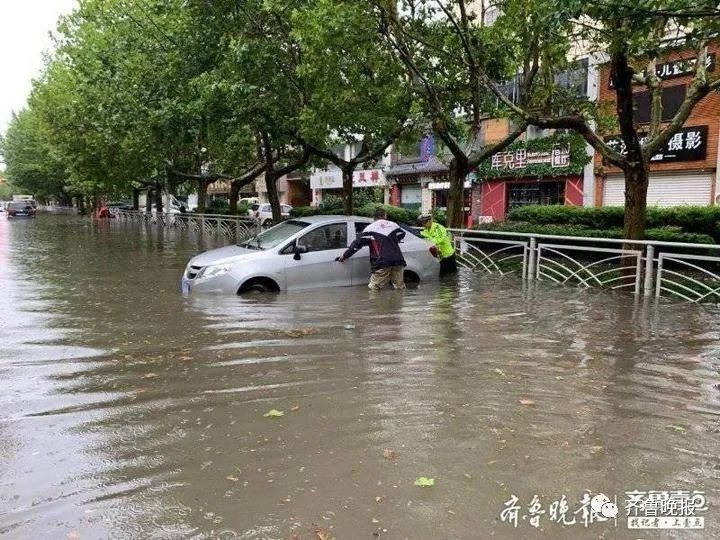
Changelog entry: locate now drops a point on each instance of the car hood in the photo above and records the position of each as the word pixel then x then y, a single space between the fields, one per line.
pixel 223 255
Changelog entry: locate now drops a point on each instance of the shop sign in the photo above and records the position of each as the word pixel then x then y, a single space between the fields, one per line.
pixel 688 144
pixel 333 179
pixel 445 185
pixel 521 158
pixel 679 68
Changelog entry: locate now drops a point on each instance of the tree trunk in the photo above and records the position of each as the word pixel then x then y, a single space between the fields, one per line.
pixel 202 196
pixel 347 190
pixel 136 199
pixel 456 194
pixel 234 196
pixel 80 201
pixel 271 185
pixel 149 195
pixel 636 186
pixel 158 201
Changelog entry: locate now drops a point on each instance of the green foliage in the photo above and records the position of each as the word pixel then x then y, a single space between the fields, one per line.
pixel 578 158
pixel 695 221
pixel 664 234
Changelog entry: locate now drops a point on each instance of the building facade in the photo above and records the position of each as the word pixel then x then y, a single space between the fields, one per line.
pixel 685 170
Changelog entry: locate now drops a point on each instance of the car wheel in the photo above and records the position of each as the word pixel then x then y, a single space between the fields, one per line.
pixel 411 279
pixel 256 288
pixel 268 223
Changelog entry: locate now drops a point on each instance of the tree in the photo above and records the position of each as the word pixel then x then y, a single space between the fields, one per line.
pixel 448 53
pixel 356 92
pixel 635 36
pixel 32 162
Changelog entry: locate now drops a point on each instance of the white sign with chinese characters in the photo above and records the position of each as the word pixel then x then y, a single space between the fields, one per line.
pixel 519 159
pixel 333 179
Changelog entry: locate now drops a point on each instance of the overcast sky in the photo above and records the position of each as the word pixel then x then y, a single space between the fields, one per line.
pixel 24 35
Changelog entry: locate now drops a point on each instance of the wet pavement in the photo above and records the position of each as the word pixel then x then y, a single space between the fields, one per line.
pixel 128 411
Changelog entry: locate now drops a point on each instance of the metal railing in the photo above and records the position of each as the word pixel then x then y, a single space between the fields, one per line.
pixel 235 228
pixel 685 271
pixel 678 270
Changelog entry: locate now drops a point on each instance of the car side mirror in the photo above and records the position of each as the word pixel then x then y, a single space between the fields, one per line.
pixel 298 249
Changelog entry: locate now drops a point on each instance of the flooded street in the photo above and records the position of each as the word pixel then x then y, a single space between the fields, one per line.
pixel 129 411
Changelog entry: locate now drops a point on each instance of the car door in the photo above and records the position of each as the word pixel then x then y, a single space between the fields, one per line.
pixel 360 262
pixel 317 267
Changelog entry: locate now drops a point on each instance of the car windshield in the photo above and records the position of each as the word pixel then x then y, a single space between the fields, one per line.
pixel 19 205
pixel 275 235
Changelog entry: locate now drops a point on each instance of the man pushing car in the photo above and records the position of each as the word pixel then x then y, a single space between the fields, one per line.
pixel 387 263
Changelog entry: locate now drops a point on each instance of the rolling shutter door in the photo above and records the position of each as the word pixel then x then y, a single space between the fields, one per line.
pixel 664 190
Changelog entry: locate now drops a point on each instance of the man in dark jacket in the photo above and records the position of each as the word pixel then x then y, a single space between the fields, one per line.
pixel 386 260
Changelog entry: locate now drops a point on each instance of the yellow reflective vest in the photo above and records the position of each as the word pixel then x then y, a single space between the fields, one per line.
pixel 439 236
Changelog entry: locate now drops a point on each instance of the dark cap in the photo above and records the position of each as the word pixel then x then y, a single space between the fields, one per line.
pixel 424 218
pixel 380 214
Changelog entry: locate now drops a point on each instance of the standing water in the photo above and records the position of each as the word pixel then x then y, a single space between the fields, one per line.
pixel 128 411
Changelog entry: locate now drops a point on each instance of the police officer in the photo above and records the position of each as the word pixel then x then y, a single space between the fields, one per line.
pixel 442 242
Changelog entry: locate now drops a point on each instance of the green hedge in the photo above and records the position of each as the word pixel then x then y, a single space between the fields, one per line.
pixel 664 234
pixel 698 220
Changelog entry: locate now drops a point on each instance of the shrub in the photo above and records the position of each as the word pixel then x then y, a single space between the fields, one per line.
pixel 702 220
pixel 660 234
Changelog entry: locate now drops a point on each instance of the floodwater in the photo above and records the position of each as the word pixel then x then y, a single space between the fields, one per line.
pixel 128 411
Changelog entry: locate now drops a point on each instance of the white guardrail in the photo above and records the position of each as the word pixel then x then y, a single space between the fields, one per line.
pixel 235 228
pixel 661 269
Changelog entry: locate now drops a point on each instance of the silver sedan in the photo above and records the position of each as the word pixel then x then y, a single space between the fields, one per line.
pixel 299 254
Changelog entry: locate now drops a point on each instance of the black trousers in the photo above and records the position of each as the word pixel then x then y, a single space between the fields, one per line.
pixel 448 265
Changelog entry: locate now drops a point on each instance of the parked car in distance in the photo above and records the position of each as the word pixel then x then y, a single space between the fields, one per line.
pixel 249 200
pixel 263 213
pixel 23 209
pixel 299 254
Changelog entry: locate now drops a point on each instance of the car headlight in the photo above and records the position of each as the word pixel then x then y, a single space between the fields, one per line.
pixel 214 271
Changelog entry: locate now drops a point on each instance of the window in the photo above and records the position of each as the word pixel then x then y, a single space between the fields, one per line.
pixel 332 236
pixel 360 227
pixel 672 98
pixel 522 194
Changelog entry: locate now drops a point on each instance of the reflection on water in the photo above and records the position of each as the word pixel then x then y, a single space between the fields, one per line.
pixel 130 412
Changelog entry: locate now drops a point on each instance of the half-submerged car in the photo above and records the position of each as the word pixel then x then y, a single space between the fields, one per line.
pixel 23 209
pixel 299 254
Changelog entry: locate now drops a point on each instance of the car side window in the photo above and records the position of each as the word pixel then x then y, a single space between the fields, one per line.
pixel 333 236
pixel 360 227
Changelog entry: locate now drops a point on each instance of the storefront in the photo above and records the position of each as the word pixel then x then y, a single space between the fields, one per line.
pixel 409 180
pixel 539 171
pixel 684 171
pixel 330 182
pixel 677 175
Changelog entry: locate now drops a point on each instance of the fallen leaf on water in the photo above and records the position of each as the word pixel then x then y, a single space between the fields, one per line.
pixel 468 476
pixel 295 408
pixel 379 498
pixel 232 478
pixel 499 371
pixel 677 428
pixel 389 453
pixel 424 481
pixel 596 449
pixel 526 401
pixel 273 413
pixel 150 375
pixel 323 534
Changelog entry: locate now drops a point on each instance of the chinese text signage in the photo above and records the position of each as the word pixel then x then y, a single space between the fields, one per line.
pixel 558 157
pixel 333 179
pixel 679 68
pixel 688 144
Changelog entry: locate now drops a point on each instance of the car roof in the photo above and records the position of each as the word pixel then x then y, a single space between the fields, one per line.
pixel 321 219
